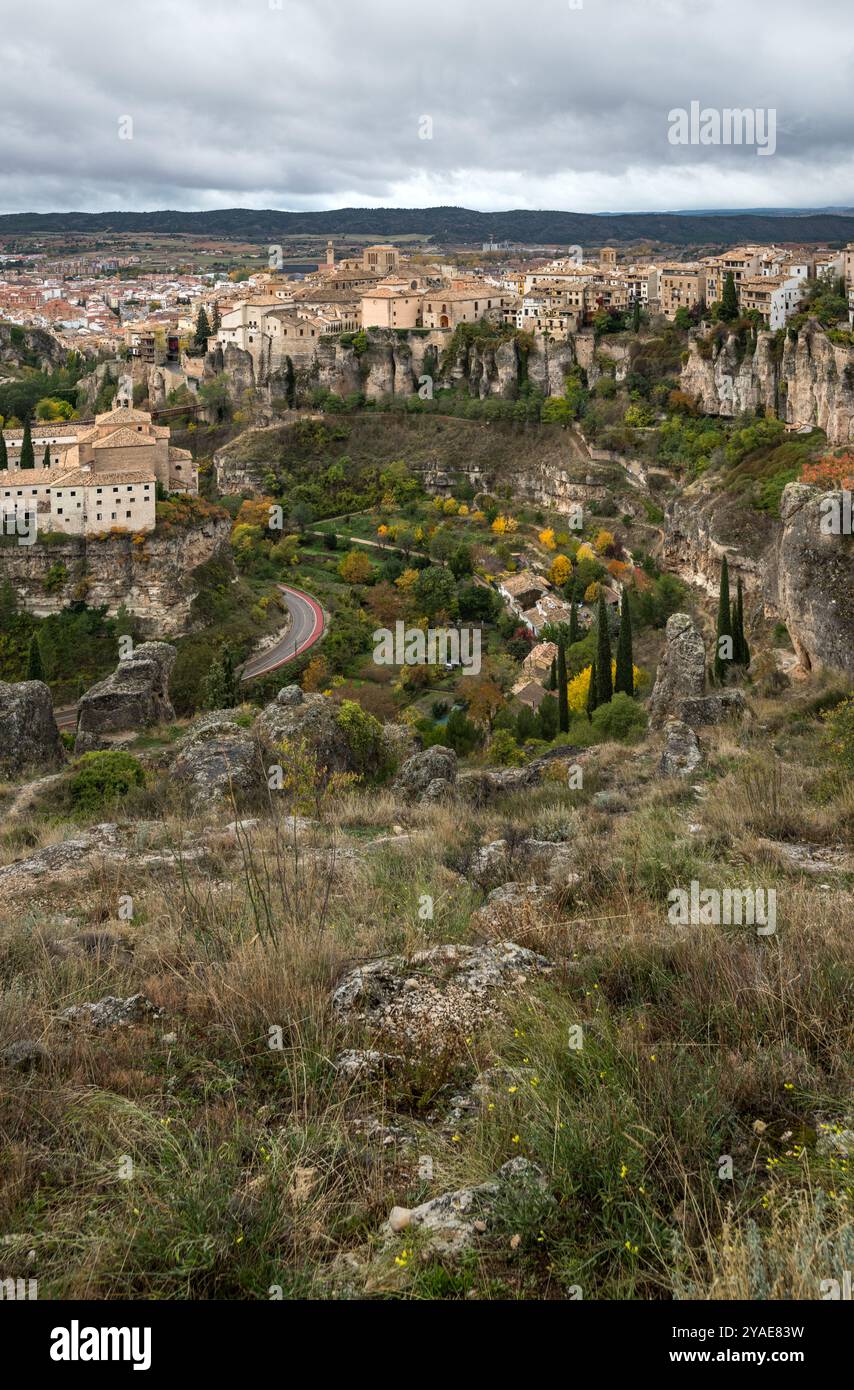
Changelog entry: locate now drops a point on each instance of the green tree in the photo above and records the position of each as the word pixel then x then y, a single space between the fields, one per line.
pixel 551 684
pixel 636 316
pixel 547 718
pixel 4 457
pixel 742 650
pixel 604 679
pixel 624 676
pixel 222 687
pixel 562 697
pixel 724 636
pixel 35 669
pixel 729 302
pixel 28 459
pixel 591 692
pixel 203 328
pixel 435 591
pixel 216 320
pixel 46 457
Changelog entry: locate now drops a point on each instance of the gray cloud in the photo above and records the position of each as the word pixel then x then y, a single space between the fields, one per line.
pixel 317 103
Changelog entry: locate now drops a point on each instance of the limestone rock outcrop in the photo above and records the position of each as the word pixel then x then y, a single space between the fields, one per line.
pixel 28 733
pixel 682 671
pixel 810 382
pixel 430 775
pixel 135 696
pixel 218 759
pixel 681 753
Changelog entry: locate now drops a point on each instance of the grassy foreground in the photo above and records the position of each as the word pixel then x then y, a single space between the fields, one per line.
pixel 685 1090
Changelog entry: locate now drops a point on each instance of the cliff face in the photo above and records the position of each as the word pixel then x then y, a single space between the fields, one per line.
pixel 395 365
pixel 30 347
pixel 791 572
pixel 810 383
pixel 153 579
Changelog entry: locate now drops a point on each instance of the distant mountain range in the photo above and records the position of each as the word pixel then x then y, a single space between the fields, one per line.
pixel 457 226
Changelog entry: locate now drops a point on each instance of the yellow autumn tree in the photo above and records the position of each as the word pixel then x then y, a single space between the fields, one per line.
pixel 576 690
pixel 602 540
pixel 560 571
pixel 591 593
pixel 405 581
pixel 547 538
pixel 504 525
pixel 451 506
pixel 355 568
pixel 315 674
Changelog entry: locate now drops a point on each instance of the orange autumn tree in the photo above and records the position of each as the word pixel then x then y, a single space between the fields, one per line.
pixel 830 472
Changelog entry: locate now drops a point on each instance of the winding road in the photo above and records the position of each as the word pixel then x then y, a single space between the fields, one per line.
pixel 308 624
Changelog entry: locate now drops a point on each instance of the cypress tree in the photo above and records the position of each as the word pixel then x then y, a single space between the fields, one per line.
pixel 35 669
pixel 203 328
pixel 222 688
pixel 552 685
pixel 729 302
pixel 46 458
pixel 724 624
pixel 562 696
pixel 743 651
pixel 636 319
pixel 624 677
pixel 573 613
pixel 28 459
pixel 4 457
pixel 591 691
pixel 604 679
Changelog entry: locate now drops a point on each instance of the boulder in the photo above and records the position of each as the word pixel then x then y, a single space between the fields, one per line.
pixel 110 1012
pixel 217 758
pixel 28 733
pixel 296 714
pixel 681 753
pixel 454 1223
pixel 681 673
pixel 711 709
pixel 25 1055
pixel 431 1002
pixel 428 776
pixel 134 697
pixel 540 860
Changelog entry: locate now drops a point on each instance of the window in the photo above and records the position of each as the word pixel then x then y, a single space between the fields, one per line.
pixel 127 513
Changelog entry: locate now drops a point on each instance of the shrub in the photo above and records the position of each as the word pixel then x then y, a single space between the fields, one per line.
pixel 364 735
pixel 103 776
pixel 622 719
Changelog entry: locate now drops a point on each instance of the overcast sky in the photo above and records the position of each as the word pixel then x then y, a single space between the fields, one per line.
pixel 306 104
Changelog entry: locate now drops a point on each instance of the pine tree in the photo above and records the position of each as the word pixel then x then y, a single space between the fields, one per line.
pixel 35 669
pixel 724 624
pixel 604 679
pixel 203 328
pixel 562 696
pixel 28 458
pixel 591 691
pixel 222 687
pixel 4 457
pixel 573 613
pixel 624 677
pixel 729 302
